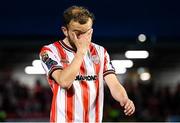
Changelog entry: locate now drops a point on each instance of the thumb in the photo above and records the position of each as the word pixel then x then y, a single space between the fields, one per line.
pixel 123 102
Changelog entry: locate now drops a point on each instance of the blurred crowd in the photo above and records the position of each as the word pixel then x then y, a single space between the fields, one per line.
pixel 152 104
pixel 17 101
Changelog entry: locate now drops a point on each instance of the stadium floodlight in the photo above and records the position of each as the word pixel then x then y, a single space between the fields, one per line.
pixel 145 76
pixel 35 69
pixel 121 65
pixel 142 37
pixel 36 63
pixel 137 54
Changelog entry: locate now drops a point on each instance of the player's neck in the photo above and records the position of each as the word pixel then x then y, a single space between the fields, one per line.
pixel 67 42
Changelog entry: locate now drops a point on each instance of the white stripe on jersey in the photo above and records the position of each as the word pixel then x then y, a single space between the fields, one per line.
pixel 78 102
pixel 61 106
pixel 101 84
pixel 92 88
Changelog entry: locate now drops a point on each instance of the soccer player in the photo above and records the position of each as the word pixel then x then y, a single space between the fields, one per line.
pixel 76 68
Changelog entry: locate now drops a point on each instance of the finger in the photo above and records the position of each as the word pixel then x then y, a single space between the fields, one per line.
pixel 128 103
pixel 127 106
pixel 86 34
pixel 131 110
pixel 86 37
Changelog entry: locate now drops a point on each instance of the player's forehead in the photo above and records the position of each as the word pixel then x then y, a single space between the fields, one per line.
pixel 73 25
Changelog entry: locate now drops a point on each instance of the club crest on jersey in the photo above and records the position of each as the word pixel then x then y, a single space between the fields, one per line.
pixel 95 59
pixel 44 56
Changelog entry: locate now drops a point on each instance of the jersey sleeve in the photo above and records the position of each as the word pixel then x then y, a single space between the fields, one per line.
pixel 49 61
pixel 108 67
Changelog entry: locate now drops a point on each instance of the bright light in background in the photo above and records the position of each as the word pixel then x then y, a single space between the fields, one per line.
pixel 37 63
pixel 119 70
pixel 145 76
pixel 35 69
pixel 142 38
pixel 141 70
pixel 121 65
pixel 137 54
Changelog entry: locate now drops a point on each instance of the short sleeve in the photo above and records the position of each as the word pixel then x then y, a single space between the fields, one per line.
pixel 108 67
pixel 49 61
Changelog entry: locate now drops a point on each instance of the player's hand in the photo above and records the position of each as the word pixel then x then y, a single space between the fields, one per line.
pixel 128 105
pixel 83 41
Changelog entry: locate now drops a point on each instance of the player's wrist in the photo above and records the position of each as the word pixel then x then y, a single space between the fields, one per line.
pixel 81 52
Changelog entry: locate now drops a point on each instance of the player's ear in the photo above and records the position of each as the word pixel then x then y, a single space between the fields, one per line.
pixel 64 30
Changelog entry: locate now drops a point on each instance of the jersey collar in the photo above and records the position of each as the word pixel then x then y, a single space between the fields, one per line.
pixel 65 46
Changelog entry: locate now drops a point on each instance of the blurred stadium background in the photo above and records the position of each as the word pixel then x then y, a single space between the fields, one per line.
pixel 152 81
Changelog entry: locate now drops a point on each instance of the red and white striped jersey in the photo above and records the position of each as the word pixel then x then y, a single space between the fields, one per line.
pixel 83 102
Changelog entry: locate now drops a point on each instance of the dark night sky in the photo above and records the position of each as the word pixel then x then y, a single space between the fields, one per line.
pixel 113 17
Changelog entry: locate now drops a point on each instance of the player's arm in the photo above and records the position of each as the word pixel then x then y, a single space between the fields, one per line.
pixel 119 93
pixel 66 76
pixel 54 68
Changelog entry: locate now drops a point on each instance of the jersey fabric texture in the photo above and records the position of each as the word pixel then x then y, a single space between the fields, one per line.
pixel 83 101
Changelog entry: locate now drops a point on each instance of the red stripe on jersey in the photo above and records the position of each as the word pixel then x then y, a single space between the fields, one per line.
pixel 105 61
pixel 97 69
pixel 70 104
pixel 45 49
pixel 53 115
pixel 62 54
pixel 50 81
pixel 85 94
pixel 69 93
